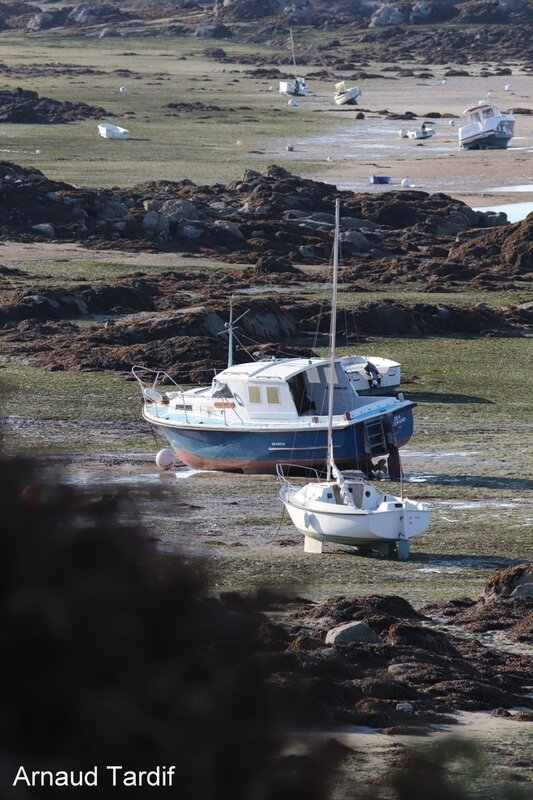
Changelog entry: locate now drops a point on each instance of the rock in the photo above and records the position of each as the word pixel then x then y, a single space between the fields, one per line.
pixel 189 231
pixel 213 30
pixel 388 14
pixel 226 226
pixel 45 229
pixel 178 209
pixel 514 581
pixel 354 241
pixel 350 632
pixel 109 32
pixel 155 224
pixel 111 209
pixel 23 106
pixel 46 20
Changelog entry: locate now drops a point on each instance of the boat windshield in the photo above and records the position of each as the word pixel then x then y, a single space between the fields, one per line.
pixel 221 389
pixel 488 112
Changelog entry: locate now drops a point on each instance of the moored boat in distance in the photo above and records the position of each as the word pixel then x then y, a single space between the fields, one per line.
pixel 423 132
pixel 297 86
pixel 346 96
pixel 486 128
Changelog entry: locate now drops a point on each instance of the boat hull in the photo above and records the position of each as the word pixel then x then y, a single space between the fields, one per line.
pixel 356 527
pixel 492 141
pixel 233 449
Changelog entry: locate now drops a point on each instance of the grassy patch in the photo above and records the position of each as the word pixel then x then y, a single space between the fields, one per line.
pixel 203 145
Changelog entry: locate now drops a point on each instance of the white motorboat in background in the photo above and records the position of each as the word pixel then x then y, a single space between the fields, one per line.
pixel 486 128
pixel 372 374
pixel 343 507
pixel 346 96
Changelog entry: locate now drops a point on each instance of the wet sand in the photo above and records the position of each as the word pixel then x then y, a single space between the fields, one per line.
pixel 356 149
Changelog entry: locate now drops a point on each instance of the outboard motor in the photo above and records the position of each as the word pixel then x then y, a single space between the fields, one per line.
pixel 374 377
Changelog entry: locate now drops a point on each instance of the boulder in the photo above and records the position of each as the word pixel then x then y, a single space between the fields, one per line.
pixel 350 632
pixel 155 224
pixel 388 14
pixel 45 229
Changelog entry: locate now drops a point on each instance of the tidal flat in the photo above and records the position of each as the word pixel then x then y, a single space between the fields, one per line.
pixel 471 453
pixel 470 457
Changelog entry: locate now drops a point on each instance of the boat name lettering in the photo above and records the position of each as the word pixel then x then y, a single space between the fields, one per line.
pixel 398 420
pixel 278 444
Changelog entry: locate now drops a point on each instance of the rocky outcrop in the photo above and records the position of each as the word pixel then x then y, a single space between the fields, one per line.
pixel 506 606
pixel 277 222
pixel 23 106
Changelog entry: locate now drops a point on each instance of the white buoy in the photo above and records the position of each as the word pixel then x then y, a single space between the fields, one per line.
pixel 123 89
pixel 444 82
pixel 402 134
pixel 166 459
pixel 289 148
pixel 38 152
pixel 293 103
pixel 451 123
pixel 406 181
pixel 508 87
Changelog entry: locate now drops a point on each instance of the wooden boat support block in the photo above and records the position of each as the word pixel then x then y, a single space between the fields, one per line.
pixel 312 545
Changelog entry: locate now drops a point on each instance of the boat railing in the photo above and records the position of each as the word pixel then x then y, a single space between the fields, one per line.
pixel 151 381
pixel 303 473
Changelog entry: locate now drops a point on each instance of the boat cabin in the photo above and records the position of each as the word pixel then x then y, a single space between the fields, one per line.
pixel 283 388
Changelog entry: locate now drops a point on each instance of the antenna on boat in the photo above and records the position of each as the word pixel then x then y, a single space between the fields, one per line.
pixel 230 327
pixel 332 338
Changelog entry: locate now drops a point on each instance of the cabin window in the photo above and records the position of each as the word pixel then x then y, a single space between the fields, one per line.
pixel 476 118
pixel 221 390
pixel 273 395
pixel 488 112
pixel 312 375
pixel 254 394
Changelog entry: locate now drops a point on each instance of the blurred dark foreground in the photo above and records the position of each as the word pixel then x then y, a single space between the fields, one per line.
pixel 121 673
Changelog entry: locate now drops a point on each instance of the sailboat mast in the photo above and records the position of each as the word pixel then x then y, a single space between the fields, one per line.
pixel 332 338
pixel 292 48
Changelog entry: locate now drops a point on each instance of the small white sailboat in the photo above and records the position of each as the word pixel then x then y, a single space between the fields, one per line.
pixel 344 508
pixel 345 96
pixel 297 86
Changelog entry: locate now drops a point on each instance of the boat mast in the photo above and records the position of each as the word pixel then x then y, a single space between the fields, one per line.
pixel 230 327
pixel 332 339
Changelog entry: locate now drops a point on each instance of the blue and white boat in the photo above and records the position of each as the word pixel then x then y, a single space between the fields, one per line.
pixel 257 414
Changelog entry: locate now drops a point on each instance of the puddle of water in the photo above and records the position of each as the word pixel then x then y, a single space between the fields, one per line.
pixel 516 212
pixel 522 187
pixel 187 472
pixel 465 504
